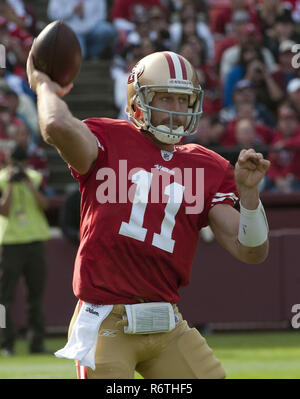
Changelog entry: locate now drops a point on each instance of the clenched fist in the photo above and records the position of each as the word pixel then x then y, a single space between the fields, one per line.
pixel 250 168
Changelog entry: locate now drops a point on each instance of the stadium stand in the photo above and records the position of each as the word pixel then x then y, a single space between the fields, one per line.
pixel 92 95
pixel 189 27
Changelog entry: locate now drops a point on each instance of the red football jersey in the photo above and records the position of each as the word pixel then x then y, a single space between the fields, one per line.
pixel 141 212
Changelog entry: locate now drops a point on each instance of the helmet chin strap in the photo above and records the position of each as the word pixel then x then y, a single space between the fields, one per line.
pixel 164 137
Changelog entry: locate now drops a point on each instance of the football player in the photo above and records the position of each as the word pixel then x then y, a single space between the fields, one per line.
pixel 136 250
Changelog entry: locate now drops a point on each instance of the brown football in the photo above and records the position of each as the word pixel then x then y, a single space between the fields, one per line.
pixel 56 52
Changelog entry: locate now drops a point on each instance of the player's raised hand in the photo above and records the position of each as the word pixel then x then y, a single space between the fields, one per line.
pixel 250 168
pixel 35 78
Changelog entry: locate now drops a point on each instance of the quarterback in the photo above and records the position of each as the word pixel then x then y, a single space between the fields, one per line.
pixel 135 252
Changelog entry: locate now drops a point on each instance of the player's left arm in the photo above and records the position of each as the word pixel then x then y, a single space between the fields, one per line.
pixel 244 234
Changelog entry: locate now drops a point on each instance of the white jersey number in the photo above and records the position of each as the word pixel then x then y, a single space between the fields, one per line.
pixel 134 228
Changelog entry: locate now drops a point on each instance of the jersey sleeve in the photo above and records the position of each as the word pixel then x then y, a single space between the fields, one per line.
pixel 225 193
pixel 95 127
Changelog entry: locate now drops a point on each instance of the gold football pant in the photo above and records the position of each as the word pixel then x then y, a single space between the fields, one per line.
pixel 180 353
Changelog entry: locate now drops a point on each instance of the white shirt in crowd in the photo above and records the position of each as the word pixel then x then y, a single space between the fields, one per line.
pixel 94 11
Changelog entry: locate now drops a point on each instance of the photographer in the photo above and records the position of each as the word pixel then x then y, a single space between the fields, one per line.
pixel 266 88
pixel 23 228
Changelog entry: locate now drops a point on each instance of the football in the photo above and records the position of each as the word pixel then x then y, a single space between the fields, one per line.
pixel 56 51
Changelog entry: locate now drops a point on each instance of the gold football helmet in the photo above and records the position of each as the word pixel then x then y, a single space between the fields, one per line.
pixel 163 72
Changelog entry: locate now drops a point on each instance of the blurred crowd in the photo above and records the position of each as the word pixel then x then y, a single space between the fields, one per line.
pixel 18 115
pixel 246 54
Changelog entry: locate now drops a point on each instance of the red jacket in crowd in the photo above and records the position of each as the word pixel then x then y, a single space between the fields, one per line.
pixel 285 161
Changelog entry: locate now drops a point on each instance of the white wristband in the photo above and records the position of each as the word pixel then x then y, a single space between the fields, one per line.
pixel 253 228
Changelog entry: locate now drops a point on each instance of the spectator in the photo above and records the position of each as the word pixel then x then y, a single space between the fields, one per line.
pixel 22 107
pixel 245 133
pixel 8 121
pixel 24 15
pixel 239 19
pixel 140 31
pixel 251 135
pixel 124 13
pixel 284 172
pixel 17 42
pixel 249 34
pixel 175 6
pixel 7 11
pixel 194 50
pixel 244 93
pixel 285 71
pixel 209 134
pixel 203 135
pixel 121 74
pixel 70 216
pixel 190 24
pixel 5 118
pixel 284 30
pixel 293 92
pixel 248 52
pixel 159 29
pixel 14 130
pixel 6 125
pixel 11 81
pixel 88 19
pixel 296 11
pixel 248 133
pixel 150 23
pixel 268 12
pixel 23 229
pixel 236 132
pixel 222 24
pixel 267 90
pixel 36 156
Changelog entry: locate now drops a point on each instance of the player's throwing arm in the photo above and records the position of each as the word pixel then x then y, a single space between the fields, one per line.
pixel 72 138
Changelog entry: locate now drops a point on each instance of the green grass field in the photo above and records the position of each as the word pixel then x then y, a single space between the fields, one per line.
pixel 255 355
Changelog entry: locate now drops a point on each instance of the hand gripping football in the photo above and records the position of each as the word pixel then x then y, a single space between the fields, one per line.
pixel 56 52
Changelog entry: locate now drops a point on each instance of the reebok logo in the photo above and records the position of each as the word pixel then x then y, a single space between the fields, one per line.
pixel 108 333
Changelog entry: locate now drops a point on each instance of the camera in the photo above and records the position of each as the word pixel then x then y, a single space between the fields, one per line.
pixel 18 155
pixel 258 69
pixel 18 173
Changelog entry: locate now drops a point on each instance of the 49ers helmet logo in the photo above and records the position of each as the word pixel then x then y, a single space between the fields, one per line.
pixel 137 70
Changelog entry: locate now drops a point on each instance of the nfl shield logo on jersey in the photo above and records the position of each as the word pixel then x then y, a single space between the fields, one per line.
pixel 166 155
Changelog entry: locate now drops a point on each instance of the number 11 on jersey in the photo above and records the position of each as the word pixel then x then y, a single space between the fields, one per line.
pixel 134 228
